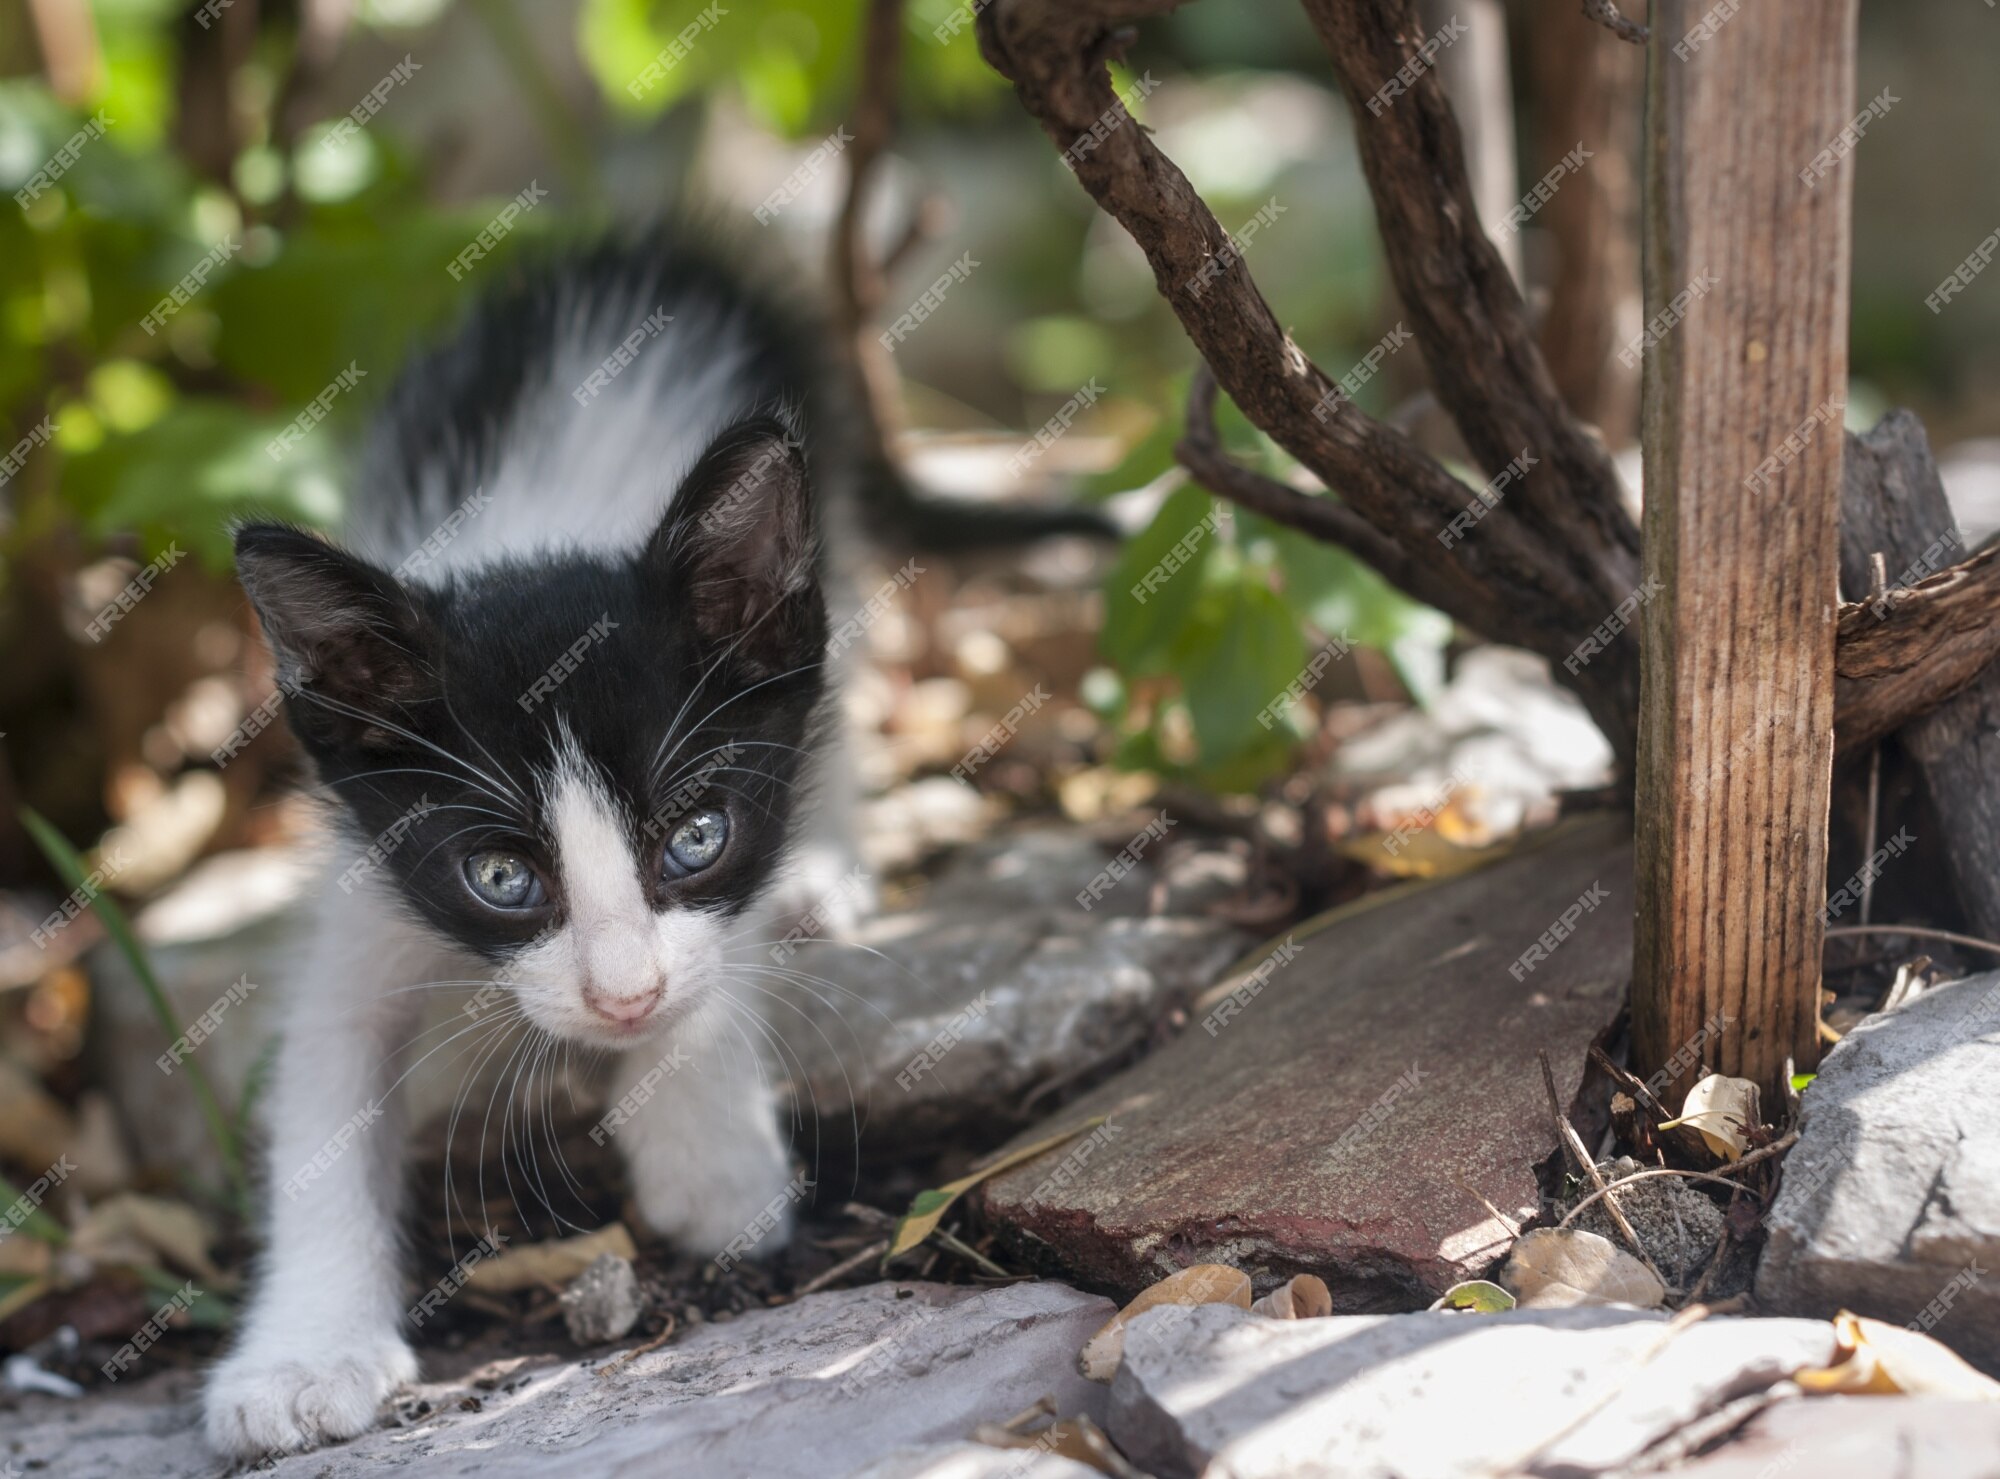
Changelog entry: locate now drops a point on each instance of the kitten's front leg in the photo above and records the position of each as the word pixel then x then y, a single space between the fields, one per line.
pixel 700 1136
pixel 321 1345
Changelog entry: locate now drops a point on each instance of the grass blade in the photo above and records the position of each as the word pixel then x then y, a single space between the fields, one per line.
pixel 69 866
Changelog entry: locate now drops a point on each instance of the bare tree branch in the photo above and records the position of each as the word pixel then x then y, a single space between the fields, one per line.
pixel 1606 13
pixel 1546 563
pixel 1504 579
pixel 1483 358
pixel 1201 452
pixel 1907 651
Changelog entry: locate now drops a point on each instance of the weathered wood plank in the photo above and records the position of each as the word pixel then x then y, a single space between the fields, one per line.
pixel 1746 270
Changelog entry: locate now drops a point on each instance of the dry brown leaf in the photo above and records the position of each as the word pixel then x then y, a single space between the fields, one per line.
pixel 23 1256
pixel 1104 790
pixel 1301 1298
pixel 548 1265
pixel 1554 1268
pixel 1075 1438
pixel 1887 1359
pixel 133 1230
pixel 35 1128
pixel 1723 1111
pixel 1205 1283
pixel 1421 854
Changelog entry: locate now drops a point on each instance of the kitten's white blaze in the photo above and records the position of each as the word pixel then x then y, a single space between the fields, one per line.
pixel 615 965
pixel 610 928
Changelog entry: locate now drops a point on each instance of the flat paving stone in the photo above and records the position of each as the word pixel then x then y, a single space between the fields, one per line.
pixel 821 1387
pixel 939 1022
pixel 1217 1391
pixel 1324 1121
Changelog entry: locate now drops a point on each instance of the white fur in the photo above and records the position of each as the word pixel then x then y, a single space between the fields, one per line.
pixel 596 477
pixel 323 1344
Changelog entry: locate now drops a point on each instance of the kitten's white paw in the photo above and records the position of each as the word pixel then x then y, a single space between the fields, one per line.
pixel 274 1398
pixel 734 1196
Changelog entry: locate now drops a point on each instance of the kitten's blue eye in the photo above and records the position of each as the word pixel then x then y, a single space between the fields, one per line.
pixel 504 880
pixel 699 840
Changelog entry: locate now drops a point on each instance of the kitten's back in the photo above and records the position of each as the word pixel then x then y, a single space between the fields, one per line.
pixel 572 401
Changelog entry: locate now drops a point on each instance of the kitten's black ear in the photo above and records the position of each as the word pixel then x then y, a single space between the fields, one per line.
pixel 342 631
pixel 737 548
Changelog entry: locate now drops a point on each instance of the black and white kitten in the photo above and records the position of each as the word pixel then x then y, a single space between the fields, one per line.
pixel 562 688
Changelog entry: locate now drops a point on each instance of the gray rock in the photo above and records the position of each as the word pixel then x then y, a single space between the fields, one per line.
pixel 1678 1225
pixel 1214 1390
pixel 1861 1438
pixel 1890 1204
pixel 603 1302
pixel 967 1460
pixel 940 1020
pixel 819 1387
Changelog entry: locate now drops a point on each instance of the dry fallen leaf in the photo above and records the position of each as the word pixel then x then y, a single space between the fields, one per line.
pixel 1075 1438
pixel 35 1128
pixel 133 1231
pixel 548 1265
pixel 25 1258
pixel 1205 1283
pixel 1887 1359
pixel 927 1207
pixel 1301 1298
pixel 1723 1111
pixel 1427 853
pixel 1554 1268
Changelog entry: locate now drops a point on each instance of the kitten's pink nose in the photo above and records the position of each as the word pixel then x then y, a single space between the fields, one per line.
pixel 624 1011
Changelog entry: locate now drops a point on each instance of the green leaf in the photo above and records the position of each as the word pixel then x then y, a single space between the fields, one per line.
pixel 927 1207
pixel 73 871
pixel 36 1223
pixel 1242 650
pixel 1476 1295
pixel 1165 564
pixel 201 465
pixel 208 1311
pixel 1800 1080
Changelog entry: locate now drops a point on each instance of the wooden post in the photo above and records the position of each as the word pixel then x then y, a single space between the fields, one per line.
pixel 1746 279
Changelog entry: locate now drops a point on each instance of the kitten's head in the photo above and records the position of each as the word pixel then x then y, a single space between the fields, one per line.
pixel 581 768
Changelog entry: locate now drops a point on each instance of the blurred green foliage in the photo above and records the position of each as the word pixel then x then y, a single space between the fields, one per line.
pixel 328 248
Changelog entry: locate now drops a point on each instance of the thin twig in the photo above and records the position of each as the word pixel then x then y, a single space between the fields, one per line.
pixel 1722 1242
pixel 1670 1332
pixel 1970 942
pixel 1868 839
pixel 961 1249
pixel 1513 1228
pixel 654 1344
pixel 1606 14
pixel 1644 1175
pixel 842 1269
pixel 1776 1147
pixel 1584 1159
pixel 1626 1079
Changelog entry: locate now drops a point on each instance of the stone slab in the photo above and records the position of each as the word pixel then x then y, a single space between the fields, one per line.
pixel 1324 1124
pixel 1217 1391
pixel 937 1022
pixel 823 1386
pixel 1890 1204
